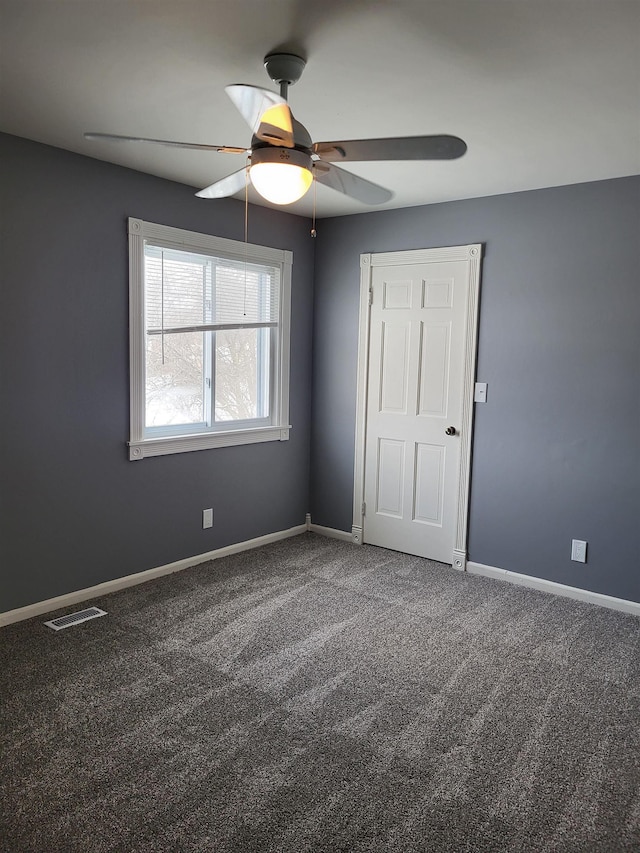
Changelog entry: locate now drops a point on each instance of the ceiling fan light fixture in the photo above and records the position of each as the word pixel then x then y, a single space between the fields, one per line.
pixel 280 175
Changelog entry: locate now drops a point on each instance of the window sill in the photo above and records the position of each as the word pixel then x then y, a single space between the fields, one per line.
pixel 205 441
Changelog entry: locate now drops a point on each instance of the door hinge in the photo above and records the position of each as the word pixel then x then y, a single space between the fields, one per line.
pixel 370 296
pixel 364 508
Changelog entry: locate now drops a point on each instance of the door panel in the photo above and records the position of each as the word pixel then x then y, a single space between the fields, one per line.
pixel 394 364
pixel 435 354
pixel 428 488
pixel 390 477
pixel 397 294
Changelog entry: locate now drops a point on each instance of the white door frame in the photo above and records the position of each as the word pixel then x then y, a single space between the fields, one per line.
pixel 473 254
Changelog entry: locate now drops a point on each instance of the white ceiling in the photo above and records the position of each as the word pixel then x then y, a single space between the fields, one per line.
pixel 544 93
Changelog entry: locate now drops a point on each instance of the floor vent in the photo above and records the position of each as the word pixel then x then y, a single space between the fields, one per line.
pixel 75 618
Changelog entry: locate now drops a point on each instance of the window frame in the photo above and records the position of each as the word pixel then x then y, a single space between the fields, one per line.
pixel 141 444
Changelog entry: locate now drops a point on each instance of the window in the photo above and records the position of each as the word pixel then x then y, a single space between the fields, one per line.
pixel 209 337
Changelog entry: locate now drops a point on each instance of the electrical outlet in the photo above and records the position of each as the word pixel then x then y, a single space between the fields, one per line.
pixel 578 551
pixel 207 518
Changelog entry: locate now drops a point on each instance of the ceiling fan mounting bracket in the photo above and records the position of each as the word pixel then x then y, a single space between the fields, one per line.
pixel 284 69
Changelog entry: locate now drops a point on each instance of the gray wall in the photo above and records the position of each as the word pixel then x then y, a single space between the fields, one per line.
pixel 556 447
pixel 556 451
pixel 75 512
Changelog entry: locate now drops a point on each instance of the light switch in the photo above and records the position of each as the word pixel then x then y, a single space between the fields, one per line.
pixel 480 395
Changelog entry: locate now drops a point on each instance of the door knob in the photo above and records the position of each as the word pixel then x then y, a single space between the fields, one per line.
pixel 450 431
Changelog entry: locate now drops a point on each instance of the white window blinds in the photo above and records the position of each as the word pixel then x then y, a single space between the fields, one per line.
pixel 187 292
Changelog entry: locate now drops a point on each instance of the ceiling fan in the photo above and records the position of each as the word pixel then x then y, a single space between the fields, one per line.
pixel 283 159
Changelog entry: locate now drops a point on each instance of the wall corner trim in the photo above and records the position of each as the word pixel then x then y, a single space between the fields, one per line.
pixel 543 585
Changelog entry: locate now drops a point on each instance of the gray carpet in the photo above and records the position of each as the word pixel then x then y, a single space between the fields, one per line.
pixel 316 696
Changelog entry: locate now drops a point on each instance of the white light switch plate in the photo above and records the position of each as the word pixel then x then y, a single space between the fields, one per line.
pixel 480 395
pixel 207 518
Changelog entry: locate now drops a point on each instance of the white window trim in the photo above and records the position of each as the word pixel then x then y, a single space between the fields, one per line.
pixel 141 446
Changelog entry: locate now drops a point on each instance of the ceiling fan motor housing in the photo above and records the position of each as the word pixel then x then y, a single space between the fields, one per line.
pixel 284 67
pixel 289 156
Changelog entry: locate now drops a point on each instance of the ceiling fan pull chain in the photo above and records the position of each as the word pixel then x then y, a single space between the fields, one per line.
pixel 314 233
pixel 246 235
pixel 162 302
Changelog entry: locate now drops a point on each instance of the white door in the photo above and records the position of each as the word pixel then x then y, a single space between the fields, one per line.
pixel 415 406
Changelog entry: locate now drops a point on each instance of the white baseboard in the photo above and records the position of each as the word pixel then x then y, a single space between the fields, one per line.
pixel 330 532
pixel 51 604
pixel 101 589
pixel 543 585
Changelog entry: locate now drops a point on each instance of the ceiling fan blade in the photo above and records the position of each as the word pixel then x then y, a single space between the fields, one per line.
pixel 350 184
pixel 112 137
pixel 253 102
pixel 227 186
pixel 301 135
pixel 394 148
